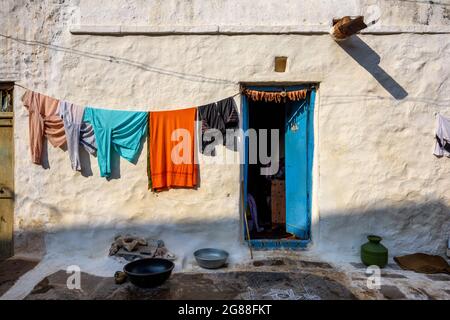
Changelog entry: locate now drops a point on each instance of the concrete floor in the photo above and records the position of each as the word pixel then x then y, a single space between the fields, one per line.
pixel 269 278
pixel 13 269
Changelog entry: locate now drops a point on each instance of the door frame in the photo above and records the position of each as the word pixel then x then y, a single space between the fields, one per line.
pixel 10 116
pixel 279 243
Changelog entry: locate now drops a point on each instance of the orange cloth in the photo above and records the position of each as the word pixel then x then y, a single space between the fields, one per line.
pixel 167 172
pixel 43 121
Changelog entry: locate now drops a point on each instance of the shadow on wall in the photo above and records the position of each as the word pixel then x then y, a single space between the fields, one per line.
pixel 93 242
pixel 405 228
pixel 408 227
pixel 369 60
pixel 85 160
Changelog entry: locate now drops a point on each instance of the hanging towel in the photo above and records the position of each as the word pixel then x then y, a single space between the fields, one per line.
pixel 116 131
pixel 442 146
pixel 77 132
pixel 43 121
pixel 172 157
pixel 220 115
pixel 149 172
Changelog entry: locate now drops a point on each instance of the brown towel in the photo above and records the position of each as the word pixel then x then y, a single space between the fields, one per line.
pixel 43 121
pixel 423 263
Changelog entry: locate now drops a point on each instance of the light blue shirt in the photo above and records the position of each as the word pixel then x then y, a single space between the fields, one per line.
pixel 116 131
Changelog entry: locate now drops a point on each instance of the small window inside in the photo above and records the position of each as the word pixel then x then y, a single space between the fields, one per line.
pixel 6 97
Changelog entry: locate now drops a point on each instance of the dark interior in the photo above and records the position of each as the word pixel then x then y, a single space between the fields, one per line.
pixel 267 115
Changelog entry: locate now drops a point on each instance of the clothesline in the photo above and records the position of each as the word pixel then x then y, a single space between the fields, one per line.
pixel 255 95
pixel 21 86
pixel 261 95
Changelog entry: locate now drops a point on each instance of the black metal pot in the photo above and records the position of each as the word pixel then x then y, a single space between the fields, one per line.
pixel 150 272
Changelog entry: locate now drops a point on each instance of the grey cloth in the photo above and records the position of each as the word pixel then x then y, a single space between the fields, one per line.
pixel 442 147
pixel 77 132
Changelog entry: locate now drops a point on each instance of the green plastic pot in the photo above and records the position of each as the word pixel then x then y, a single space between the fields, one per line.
pixel 374 253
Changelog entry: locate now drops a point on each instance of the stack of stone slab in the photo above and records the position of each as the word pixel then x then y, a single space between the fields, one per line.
pixel 133 248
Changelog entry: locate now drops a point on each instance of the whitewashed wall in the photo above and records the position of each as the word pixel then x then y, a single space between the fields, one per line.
pixel 374 169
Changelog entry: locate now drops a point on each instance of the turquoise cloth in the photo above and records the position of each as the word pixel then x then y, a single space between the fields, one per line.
pixel 119 131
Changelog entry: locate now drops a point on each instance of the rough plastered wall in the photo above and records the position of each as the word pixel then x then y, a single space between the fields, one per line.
pixel 374 170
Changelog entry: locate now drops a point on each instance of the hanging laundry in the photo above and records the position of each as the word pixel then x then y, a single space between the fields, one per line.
pixel 149 172
pixel 172 149
pixel 220 115
pixel 77 132
pixel 119 131
pixel 442 147
pixel 43 121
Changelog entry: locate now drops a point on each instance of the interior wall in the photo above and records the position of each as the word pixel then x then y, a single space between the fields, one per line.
pixel 374 169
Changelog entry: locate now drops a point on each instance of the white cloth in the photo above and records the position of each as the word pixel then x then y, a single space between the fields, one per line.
pixel 77 132
pixel 442 147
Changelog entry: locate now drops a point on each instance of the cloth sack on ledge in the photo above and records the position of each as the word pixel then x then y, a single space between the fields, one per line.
pixel 423 263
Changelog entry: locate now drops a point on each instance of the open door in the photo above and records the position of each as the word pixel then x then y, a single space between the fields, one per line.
pixel 6 172
pixel 298 157
pixel 279 204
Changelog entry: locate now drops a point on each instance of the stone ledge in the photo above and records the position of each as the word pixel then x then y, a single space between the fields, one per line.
pixel 122 30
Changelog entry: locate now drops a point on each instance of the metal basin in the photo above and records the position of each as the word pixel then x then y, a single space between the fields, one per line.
pixel 147 273
pixel 210 258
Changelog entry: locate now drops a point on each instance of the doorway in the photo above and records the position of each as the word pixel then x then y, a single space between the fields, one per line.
pixel 6 170
pixel 278 202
